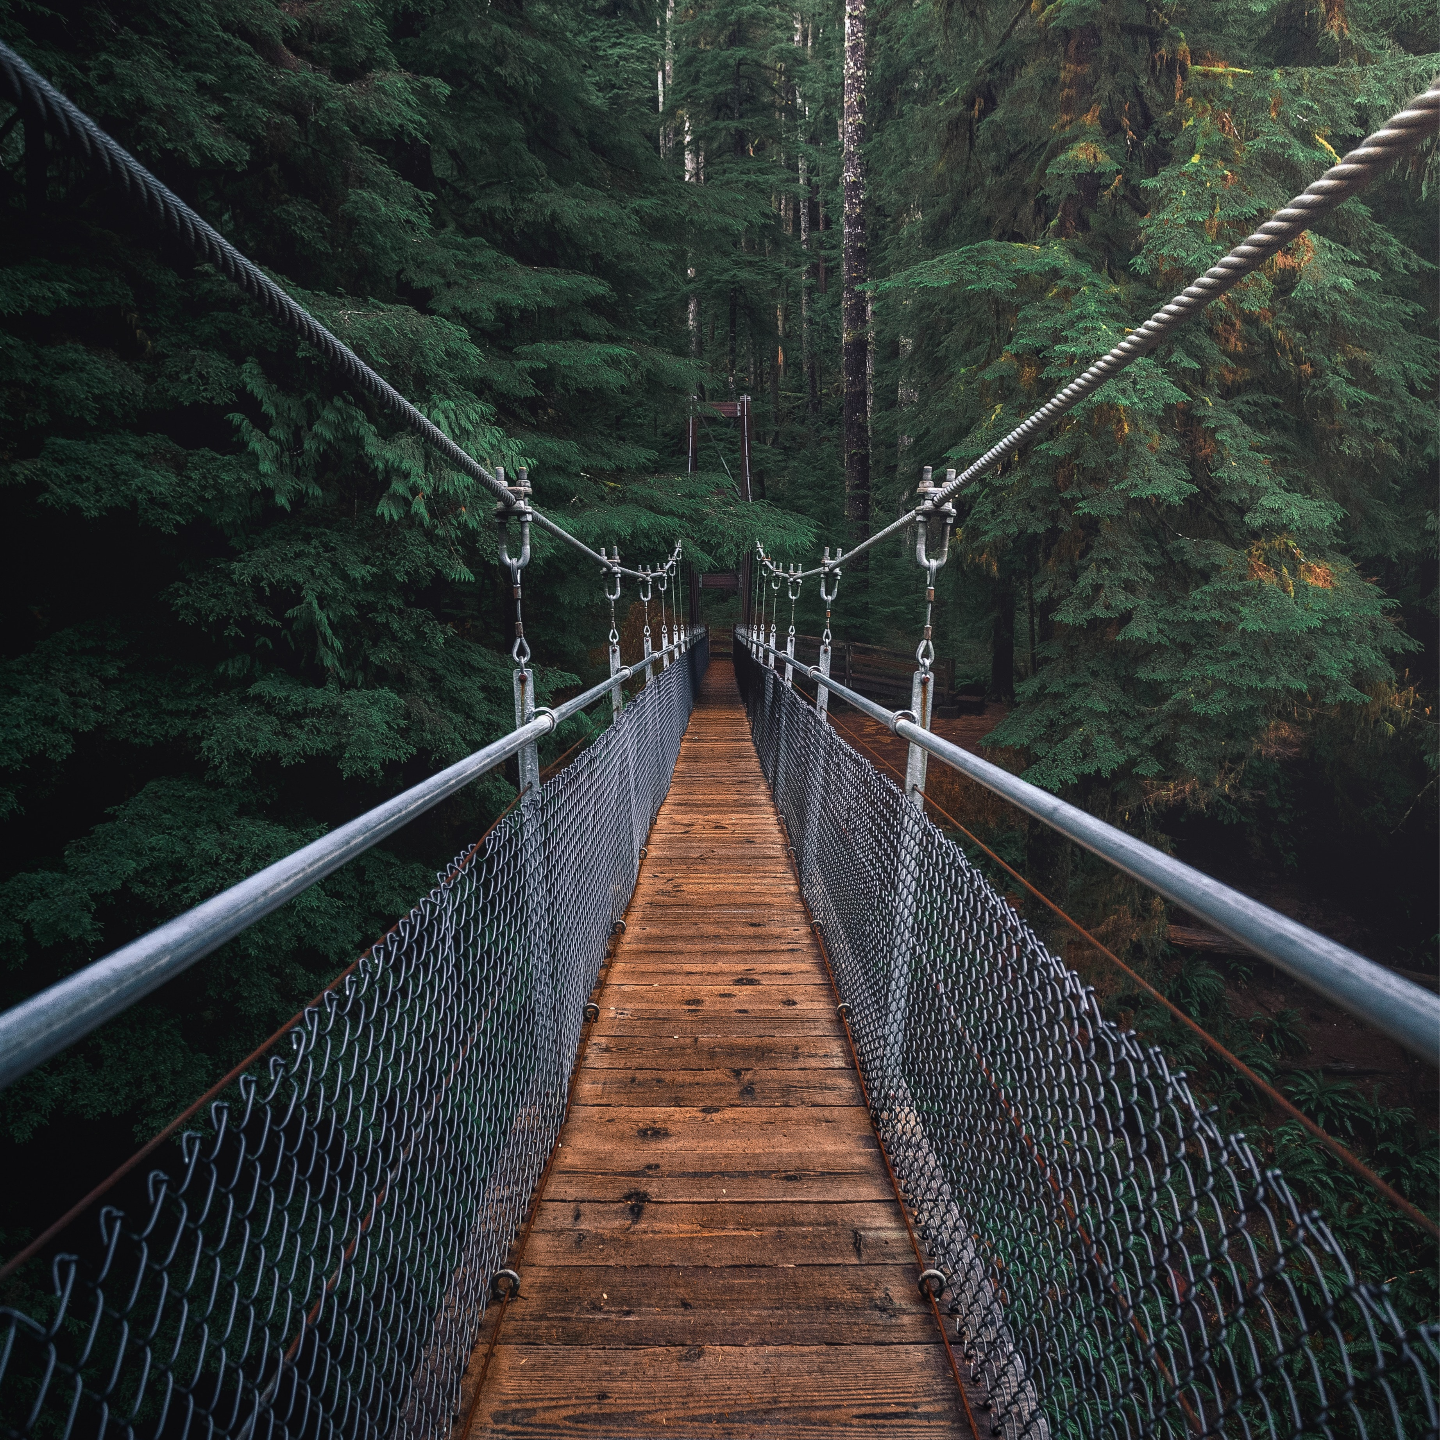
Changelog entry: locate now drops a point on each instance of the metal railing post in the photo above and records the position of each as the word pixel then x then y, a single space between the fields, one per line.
pixel 636 834
pixel 617 698
pixel 528 758
pixel 832 575
pixel 782 706
pixel 897 996
pixel 922 687
pixel 922 695
pixel 822 694
pixel 809 862
pixel 648 649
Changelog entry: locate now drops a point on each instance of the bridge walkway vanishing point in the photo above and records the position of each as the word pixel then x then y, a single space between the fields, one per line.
pixel 717 1248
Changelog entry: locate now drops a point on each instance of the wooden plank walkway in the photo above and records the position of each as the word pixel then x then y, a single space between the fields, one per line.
pixel 718 1250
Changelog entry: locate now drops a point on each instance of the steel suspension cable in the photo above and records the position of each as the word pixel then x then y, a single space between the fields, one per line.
pixel 24 87
pixel 1401 134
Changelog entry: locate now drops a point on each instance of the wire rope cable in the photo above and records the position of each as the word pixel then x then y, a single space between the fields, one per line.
pixel 1401 134
pixel 25 87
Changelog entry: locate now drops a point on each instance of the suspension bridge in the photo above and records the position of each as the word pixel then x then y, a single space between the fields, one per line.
pixel 712 1091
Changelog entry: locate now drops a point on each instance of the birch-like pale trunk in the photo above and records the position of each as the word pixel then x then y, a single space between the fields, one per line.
pixel 694 164
pixel 905 397
pixel 855 271
pixel 665 76
pixel 803 198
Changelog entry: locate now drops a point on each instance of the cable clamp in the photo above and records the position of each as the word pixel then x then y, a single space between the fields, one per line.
pixel 900 715
pixel 510 1293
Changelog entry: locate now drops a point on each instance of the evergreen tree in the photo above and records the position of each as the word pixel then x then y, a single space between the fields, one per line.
pixel 243 608
pixel 1192 545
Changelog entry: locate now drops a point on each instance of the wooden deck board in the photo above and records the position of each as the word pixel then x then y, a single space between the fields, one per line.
pixel 718 1249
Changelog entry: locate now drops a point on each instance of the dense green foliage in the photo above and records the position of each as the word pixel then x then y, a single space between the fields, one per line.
pixel 243 607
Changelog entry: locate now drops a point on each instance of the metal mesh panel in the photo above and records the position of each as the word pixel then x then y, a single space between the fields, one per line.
pixel 316 1262
pixel 1117 1263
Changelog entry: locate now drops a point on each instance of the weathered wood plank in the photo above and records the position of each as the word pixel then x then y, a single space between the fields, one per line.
pixel 662 1129
pixel 775 1022
pixel 736 1085
pixel 721 1176
pixel 699 1052
pixel 718 1248
pixel 815 1391
pixel 738 1244
pixel 609 1306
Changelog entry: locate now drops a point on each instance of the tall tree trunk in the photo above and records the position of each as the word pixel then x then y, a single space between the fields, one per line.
pixel 807 368
pixel 777 370
pixel 730 358
pixel 805 199
pixel 738 149
pixel 666 77
pixel 822 224
pixel 905 398
pixel 694 175
pixel 854 318
pixel 1002 643
pixel 869 374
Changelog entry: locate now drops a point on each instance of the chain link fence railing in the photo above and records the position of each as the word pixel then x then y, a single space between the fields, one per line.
pixel 316 1261
pixel 1118 1265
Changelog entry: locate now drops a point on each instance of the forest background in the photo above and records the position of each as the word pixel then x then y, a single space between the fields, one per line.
pixel 242 608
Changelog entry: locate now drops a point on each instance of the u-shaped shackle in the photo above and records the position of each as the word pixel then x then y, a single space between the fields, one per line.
pixel 793 582
pixel 612 572
pixel 945 513
pixel 646 577
pixel 832 574
pixel 521 511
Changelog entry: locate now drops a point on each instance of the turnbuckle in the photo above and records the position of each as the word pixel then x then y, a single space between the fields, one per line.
pixel 612 572
pixel 925 651
pixel 831 572
pixel 520 651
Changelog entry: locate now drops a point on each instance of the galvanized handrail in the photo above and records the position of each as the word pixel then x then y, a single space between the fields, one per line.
pixel 51 1021
pixel 1396 1006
